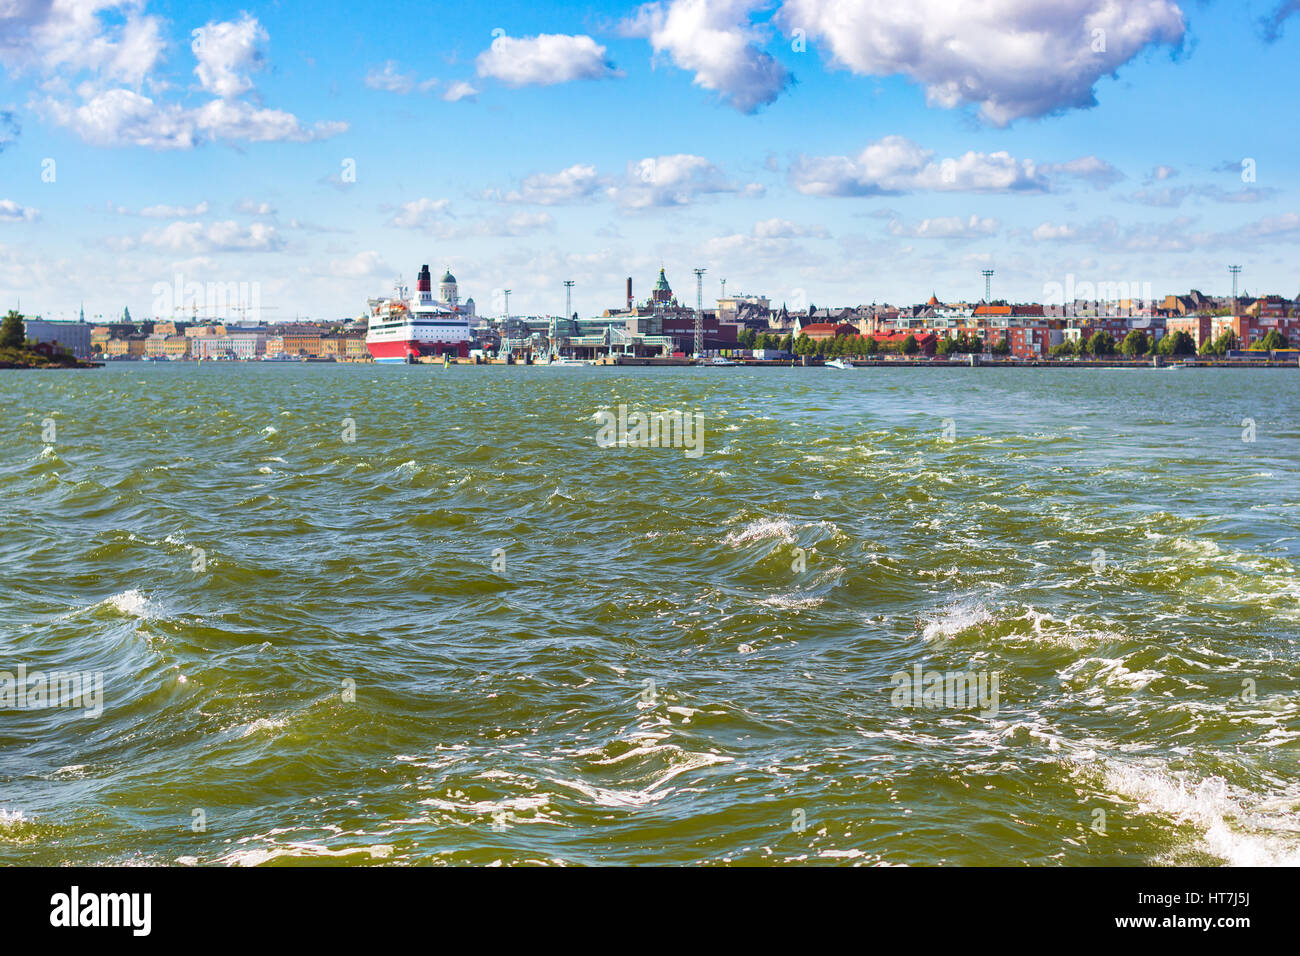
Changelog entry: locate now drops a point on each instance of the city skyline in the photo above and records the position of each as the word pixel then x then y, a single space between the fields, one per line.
pixel 588 142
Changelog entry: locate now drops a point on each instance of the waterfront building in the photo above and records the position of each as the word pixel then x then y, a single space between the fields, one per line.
pixel 301 342
pixel 660 324
pixel 354 346
pixel 207 348
pixel 199 331
pixel 176 347
pixel 818 331
pixel 1250 329
pixel 926 342
pixel 127 347
pixel 70 335
pixel 247 344
pixel 1198 326
pixel 744 309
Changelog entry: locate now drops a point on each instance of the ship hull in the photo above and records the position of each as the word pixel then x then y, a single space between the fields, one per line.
pixel 400 351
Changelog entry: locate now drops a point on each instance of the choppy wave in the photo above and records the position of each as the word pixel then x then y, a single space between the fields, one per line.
pixel 473 636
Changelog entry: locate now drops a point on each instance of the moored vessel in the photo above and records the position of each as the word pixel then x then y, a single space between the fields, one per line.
pixel 404 329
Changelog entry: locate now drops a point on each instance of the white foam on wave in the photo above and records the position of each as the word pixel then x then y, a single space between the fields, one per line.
pixel 379 851
pixel 1229 830
pixel 954 619
pixel 791 602
pixel 136 604
pixel 11 818
pixel 760 530
pixel 653 791
pixel 262 724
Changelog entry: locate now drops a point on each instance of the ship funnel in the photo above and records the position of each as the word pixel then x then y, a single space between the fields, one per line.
pixel 424 282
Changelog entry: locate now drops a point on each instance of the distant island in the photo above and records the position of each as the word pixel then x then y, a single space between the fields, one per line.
pixel 16 351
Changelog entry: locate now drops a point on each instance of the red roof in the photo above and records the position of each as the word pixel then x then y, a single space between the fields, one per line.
pixel 827 329
pixel 923 339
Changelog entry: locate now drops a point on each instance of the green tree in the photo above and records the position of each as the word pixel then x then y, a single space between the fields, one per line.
pixel 870 346
pixel 1101 344
pixel 1002 347
pixel 909 345
pixel 1066 349
pixel 1134 344
pixel 13 332
pixel 1274 340
pixel 746 338
pixel 804 345
pixel 945 347
pixel 1225 343
pixel 787 343
pixel 1185 344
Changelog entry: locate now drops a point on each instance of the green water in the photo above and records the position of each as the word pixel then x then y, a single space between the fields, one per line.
pixel 675 659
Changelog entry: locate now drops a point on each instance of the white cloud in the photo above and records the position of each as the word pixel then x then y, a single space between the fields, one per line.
pixel 175 212
pixel 11 211
pixel 123 117
pixel 946 227
pixel 249 207
pixel 360 266
pixel 1161 173
pixel 434 216
pixel 785 229
pixel 1171 197
pixel 576 183
pixel 715 40
pixel 103 114
pixel 1285 226
pixel 391 79
pixel 196 238
pixel 420 213
pixel 673 181
pixel 1092 170
pixel 227 52
pixel 520 224
pixel 237 120
pixel 111 39
pixel 460 90
pixel 1012 58
pixel 544 60
pixel 895 165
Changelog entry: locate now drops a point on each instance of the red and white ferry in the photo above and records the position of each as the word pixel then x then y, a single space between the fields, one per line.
pixel 404 329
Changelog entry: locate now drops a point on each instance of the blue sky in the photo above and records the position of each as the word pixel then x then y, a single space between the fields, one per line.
pixel 828 151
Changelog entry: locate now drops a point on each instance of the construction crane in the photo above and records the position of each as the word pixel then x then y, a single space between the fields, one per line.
pixel 699 312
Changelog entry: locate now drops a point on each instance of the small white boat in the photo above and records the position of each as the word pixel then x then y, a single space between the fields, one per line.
pixel 719 360
pixel 839 363
pixel 555 361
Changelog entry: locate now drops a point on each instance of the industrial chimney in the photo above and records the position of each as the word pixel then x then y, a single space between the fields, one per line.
pixel 629 293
